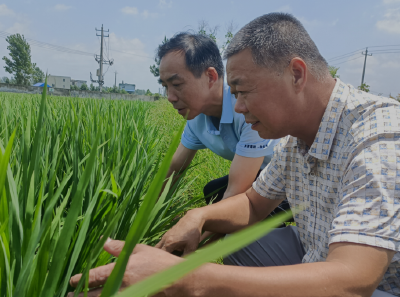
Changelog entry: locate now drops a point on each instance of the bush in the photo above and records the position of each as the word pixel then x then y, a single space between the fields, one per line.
pixel 84 87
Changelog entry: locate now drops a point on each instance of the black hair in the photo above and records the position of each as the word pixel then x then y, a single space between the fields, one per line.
pixel 201 52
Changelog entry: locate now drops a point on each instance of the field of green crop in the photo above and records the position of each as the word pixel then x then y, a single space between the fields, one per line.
pixel 76 169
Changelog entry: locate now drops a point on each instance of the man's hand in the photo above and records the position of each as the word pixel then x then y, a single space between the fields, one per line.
pixel 143 262
pixel 225 217
pixel 184 236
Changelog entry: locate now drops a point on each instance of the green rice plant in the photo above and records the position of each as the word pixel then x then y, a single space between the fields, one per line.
pixel 74 170
pixel 157 282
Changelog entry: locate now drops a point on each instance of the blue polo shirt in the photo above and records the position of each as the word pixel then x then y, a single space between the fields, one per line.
pixel 234 135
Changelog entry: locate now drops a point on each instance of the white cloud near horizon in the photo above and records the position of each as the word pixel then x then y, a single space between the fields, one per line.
pixel 17 22
pixel 391 21
pixel 5 11
pixel 130 10
pixel 18 27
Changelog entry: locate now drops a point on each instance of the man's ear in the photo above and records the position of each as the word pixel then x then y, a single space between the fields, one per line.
pixel 298 70
pixel 212 75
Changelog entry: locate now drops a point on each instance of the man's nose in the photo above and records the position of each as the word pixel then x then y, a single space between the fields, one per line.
pixel 171 97
pixel 240 107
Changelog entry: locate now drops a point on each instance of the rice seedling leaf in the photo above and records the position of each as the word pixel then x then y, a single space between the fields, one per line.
pixel 81 238
pixel 135 233
pixel 69 225
pixel 157 282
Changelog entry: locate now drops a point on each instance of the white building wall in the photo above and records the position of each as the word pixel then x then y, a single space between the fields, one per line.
pixel 61 82
pixel 78 83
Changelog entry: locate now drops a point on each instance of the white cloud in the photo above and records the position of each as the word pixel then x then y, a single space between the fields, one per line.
pixel 285 8
pixel 5 11
pixel 62 7
pixel 146 14
pixel 134 11
pixel 391 21
pixel 130 10
pixel 164 4
pixel 21 28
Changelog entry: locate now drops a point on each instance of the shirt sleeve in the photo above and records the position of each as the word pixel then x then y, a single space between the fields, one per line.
pixel 369 210
pixel 190 140
pixel 252 145
pixel 271 182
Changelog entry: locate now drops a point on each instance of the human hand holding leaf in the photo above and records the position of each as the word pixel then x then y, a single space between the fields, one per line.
pixel 143 262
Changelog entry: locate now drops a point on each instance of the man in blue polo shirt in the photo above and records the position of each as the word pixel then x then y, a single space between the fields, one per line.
pixel 191 69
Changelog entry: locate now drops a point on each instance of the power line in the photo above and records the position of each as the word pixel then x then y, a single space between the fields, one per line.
pixel 344 56
pixel 353 53
pixel 384 45
pixel 49 46
pixel 386 50
pixel 346 61
pixel 387 53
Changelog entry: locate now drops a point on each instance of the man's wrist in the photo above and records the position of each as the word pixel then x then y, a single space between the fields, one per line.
pixel 193 284
pixel 198 215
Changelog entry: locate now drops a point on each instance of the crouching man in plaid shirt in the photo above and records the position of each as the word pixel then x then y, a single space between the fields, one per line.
pixel 339 160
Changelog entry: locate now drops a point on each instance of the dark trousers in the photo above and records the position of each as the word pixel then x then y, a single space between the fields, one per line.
pixel 280 247
pixel 221 184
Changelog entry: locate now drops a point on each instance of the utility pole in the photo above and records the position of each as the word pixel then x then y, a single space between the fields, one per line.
pixel 100 59
pixel 115 85
pixel 365 63
pixel 100 75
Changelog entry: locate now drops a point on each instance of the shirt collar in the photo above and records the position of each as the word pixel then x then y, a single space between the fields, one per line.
pixel 227 109
pixel 322 144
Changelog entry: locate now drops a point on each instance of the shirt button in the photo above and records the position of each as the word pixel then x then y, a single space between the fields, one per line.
pixel 313 210
pixel 312 173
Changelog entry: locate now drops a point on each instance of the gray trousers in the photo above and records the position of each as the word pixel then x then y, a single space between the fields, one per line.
pixel 280 247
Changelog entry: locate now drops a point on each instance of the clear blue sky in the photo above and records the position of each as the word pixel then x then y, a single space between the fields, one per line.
pixel 137 27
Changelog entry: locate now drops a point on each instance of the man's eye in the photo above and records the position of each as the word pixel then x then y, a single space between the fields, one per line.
pixel 176 85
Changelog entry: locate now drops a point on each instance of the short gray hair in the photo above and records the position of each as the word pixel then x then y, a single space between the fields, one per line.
pixel 275 39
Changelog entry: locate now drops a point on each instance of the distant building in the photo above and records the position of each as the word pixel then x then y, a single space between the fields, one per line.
pixel 78 83
pixel 61 82
pixel 130 88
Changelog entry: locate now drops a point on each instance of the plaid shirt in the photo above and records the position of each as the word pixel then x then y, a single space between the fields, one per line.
pixel 348 181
